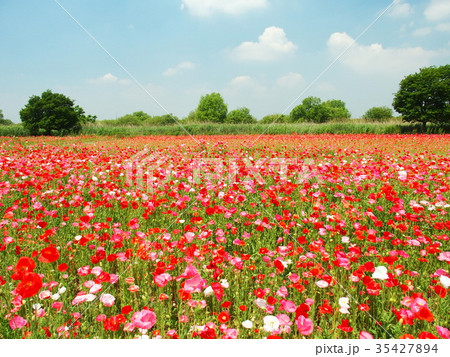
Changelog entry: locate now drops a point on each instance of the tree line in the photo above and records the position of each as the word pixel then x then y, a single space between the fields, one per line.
pixel 422 97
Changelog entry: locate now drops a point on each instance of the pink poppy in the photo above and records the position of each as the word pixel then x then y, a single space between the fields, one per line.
pixel 443 332
pixel 161 280
pixel 107 299
pixel 364 335
pixel 304 325
pixel 144 319
pixel 17 322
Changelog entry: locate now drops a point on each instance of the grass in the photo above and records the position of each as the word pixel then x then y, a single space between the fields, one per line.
pixel 349 127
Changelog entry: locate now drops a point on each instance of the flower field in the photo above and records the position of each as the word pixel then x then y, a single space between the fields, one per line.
pixel 319 236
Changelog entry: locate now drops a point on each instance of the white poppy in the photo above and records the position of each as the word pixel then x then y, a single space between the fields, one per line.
pixel 380 273
pixel 271 323
pixel 322 284
pixel 445 281
pixel 247 324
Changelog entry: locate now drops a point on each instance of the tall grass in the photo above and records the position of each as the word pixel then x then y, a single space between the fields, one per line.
pixel 337 127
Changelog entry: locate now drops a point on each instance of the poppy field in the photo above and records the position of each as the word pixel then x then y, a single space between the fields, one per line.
pixel 285 236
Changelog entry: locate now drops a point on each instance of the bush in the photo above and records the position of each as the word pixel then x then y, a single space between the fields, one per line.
pixel 240 116
pixel 378 114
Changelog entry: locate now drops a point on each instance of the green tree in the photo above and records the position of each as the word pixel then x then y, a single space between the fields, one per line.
pixel 379 114
pixel 240 116
pixel 277 118
pixel 51 113
pixel 425 96
pixel 129 120
pixel 141 116
pixel 337 109
pixel 211 108
pixel 311 110
pixel 85 119
pixel 4 121
pixel 160 120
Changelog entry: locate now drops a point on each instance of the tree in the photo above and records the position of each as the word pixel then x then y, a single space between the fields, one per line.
pixel 277 118
pixel 4 121
pixel 311 110
pixel 50 113
pixel 211 108
pixel 379 114
pixel 240 116
pixel 337 109
pixel 425 96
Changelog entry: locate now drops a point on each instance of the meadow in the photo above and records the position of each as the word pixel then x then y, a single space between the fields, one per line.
pixel 279 236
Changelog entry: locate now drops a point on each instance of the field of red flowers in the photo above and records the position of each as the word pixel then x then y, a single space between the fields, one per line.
pixel 327 236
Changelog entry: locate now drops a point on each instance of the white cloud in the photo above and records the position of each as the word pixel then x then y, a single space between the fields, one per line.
pixel 423 31
pixel 376 59
pixel 290 80
pixel 400 9
pixel 438 10
pixel 245 84
pixel 272 45
pixel 443 27
pixel 205 8
pixel 178 68
pixel 109 78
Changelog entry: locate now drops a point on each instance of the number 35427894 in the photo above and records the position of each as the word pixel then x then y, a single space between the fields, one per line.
pixel 406 348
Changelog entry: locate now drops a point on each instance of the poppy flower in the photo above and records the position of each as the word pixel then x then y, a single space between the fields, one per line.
pixel 49 255
pixel 30 285
pixel 144 319
pixel 223 317
pixel 345 326
pixel 24 265
pixel 304 325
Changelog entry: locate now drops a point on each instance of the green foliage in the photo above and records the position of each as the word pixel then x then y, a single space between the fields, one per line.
pixel 425 96
pixel 52 113
pixel 84 119
pixel 240 116
pixel 337 109
pixel 161 120
pixel 211 109
pixel 378 114
pixel 4 121
pixel 277 118
pixel 311 110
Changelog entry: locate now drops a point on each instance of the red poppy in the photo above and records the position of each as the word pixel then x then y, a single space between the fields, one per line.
pixel 425 314
pixel 63 267
pixel 24 265
pixel 126 310
pixel 427 335
pixel 30 285
pixel 226 304
pixel 49 255
pixel 345 326
pixel 223 317
pixel 442 292
pixel 279 265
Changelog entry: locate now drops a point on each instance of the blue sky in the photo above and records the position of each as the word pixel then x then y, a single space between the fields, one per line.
pixel 261 54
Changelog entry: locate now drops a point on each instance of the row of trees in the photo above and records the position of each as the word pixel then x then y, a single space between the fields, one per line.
pixel 422 97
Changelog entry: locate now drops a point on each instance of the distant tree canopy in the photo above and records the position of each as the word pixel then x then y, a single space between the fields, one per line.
pixel 212 109
pixel 314 110
pixel 425 96
pixel 53 113
pixel 240 116
pixel 277 118
pixel 141 118
pixel 379 114
pixel 4 121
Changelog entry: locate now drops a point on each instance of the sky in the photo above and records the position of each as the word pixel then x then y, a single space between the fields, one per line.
pixel 117 57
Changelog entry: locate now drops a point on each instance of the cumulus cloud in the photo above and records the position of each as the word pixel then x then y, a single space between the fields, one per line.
pixel 376 59
pixel 109 78
pixel 443 27
pixel 206 8
pixel 290 80
pixel 179 68
pixel 400 9
pixel 423 31
pixel 271 45
pixel 438 10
